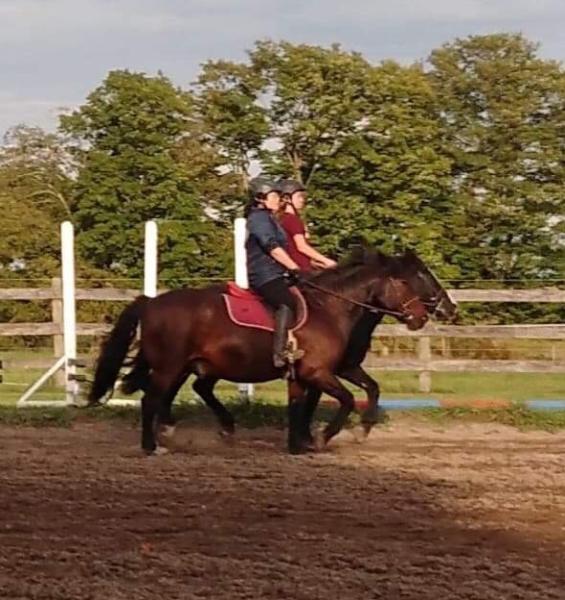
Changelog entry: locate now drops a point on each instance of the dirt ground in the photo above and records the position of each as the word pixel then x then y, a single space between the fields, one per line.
pixel 417 512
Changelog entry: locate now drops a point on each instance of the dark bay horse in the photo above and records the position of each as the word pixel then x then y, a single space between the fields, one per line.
pixel 187 331
pixel 424 284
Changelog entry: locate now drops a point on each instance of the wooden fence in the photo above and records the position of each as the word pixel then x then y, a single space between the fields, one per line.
pixel 424 362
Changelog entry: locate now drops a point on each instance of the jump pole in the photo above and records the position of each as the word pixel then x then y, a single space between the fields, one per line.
pixel 150 278
pixel 68 360
pixel 150 260
pixel 69 311
pixel 246 390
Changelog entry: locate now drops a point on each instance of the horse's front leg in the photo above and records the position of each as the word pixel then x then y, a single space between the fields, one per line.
pixel 162 386
pixel 166 420
pixel 327 382
pixel 360 378
pixel 299 438
pixel 312 400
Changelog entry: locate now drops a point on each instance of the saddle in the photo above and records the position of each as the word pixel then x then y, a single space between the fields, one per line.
pixel 246 309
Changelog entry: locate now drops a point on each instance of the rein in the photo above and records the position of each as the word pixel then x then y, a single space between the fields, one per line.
pixel 368 307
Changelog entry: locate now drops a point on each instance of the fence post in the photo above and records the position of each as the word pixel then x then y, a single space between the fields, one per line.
pixel 57 318
pixel 69 310
pixel 425 355
pixel 240 254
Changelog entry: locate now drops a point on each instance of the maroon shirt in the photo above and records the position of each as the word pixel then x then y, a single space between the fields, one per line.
pixel 293 225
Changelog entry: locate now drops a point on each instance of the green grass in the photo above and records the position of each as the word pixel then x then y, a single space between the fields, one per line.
pixel 261 414
pixel 516 416
pixel 515 387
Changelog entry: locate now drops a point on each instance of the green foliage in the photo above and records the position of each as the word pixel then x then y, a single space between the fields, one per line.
pixel 234 120
pixel 391 172
pixel 461 159
pixel 516 416
pixel 268 414
pixel 503 111
pixel 34 198
pixel 316 101
pixel 130 143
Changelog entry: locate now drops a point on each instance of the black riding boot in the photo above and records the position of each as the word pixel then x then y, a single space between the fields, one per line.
pixel 283 319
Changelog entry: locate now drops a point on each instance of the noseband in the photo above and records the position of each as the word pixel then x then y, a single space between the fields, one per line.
pixel 407 303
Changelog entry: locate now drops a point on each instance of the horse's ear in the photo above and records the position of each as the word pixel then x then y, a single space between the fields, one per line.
pixel 410 254
pixel 357 254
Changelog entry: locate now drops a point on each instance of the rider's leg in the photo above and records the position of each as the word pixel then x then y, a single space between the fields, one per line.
pixel 283 320
pixel 279 297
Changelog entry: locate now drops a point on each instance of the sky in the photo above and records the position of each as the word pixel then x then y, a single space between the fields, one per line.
pixel 54 52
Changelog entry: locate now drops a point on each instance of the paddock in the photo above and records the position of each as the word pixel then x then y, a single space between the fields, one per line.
pixel 417 512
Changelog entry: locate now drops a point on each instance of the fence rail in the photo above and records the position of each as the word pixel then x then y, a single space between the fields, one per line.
pixel 424 363
pixel 525 332
pixel 549 294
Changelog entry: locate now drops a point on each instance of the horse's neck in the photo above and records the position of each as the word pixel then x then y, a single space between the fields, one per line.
pixel 361 337
pixel 366 325
pixel 349 315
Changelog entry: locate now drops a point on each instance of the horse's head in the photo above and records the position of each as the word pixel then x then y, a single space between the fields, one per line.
pixel 417 279
pixel 427 287
pixel 397 297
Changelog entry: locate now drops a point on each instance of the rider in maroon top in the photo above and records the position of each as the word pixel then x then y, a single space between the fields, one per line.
pixel 293 195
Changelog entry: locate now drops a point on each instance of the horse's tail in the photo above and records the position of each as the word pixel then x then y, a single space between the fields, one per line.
pixel 138 377
pixel 115 348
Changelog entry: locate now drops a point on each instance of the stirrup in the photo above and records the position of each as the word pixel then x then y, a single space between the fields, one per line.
pixel 293 352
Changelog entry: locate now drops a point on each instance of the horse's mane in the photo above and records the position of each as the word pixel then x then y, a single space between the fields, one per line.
pixel 352 270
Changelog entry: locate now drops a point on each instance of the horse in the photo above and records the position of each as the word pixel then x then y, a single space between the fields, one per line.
pixel 427 287
pixel 188 331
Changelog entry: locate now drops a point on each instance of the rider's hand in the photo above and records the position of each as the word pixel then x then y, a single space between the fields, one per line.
pixel 293 276
pixel 329 263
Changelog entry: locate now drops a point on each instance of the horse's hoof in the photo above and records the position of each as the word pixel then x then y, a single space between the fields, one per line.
pixel 297 450
pixel 228 437
pixel 167 431
pixel 227 430
pixel 360 434
pixel 319 441
pixel 159 451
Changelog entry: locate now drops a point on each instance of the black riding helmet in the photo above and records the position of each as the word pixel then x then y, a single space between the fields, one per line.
pixel 259 187
pixel 290 186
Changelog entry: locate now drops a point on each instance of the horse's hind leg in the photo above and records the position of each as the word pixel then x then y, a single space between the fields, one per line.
pixel 302 403
pixel 313 396
pixel 152 405
pixel 327 382
pixel 204 387
pixel 360 378
pixel 166 421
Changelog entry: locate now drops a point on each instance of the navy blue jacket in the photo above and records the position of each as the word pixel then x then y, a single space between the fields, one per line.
pixel 264 234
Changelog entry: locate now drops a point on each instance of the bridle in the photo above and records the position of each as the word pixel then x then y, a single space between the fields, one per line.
pixel 369 307
pixel 407 303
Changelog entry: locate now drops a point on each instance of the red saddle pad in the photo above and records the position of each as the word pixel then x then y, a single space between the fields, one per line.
pixel 245 308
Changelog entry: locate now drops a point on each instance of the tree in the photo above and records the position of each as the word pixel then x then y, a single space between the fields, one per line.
pixel 34 198
pixel 34 193
pixel 389 182
pixel 129 137
pixel 235 122
pixel 503 111
pixel 316 100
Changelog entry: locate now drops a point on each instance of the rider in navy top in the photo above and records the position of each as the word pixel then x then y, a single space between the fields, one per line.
pixel 270 269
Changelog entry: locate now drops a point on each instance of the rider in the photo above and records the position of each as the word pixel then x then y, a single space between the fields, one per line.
pixel 270 269
pixel 294 198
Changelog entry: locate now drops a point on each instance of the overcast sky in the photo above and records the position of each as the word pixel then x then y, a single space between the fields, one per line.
pixel 53 52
